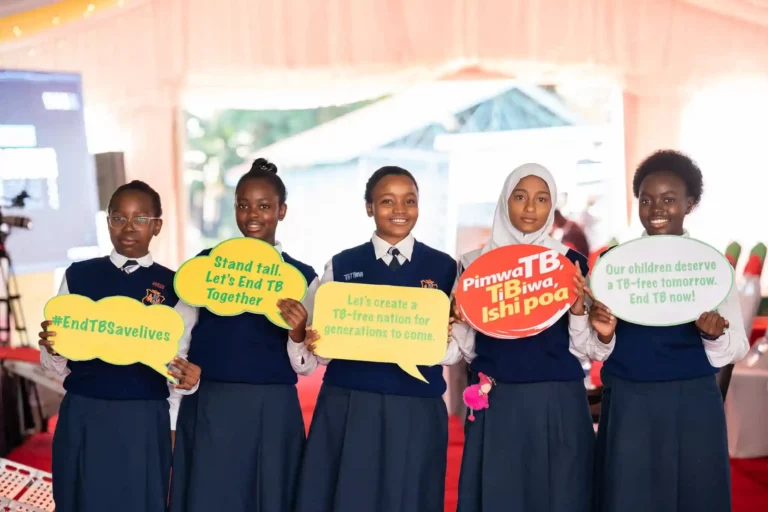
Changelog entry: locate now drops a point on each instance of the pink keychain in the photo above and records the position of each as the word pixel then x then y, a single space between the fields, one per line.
pixel 476 395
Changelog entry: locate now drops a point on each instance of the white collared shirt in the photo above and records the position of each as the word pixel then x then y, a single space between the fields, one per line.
pixel 58 364
pixel 381 249
pixel 302 360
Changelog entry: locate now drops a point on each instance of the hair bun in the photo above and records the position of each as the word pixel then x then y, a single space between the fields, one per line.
pixel 262 164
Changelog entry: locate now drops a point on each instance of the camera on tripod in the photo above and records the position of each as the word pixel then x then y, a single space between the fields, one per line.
pixel 15 221
pixel 11 314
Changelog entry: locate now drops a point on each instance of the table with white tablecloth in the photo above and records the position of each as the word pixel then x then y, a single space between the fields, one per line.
pixel 746 408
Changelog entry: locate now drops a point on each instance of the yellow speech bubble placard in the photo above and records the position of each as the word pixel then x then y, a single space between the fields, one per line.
pixel 240 275
pixel 382 324
pixel 117 330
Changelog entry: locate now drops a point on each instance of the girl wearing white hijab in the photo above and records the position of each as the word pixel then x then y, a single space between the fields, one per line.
pixel 532 449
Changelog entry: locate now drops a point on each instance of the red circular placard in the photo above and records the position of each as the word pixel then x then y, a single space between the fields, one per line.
pixel 516 291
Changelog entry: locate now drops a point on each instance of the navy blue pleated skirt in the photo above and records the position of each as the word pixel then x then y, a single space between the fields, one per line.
pixel 374 453
pixel 662 446
pixel 111 455
pixel 530 451
pixel 238 448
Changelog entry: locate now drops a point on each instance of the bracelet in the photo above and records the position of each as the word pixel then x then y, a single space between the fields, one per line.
pixel 584 313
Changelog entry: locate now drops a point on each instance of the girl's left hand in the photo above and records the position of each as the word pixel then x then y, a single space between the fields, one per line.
pixel 295 315
pixel 456 315
pixel 580 287
pixel 712 324
pixel 310 341
pixel 187 373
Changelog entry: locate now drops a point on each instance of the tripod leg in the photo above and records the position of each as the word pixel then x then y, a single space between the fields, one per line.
pixel 14 315
pixel 16 312
pixel 5 305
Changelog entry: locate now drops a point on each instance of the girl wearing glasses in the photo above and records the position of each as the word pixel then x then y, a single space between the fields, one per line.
pixel 113 441
pixel 241 436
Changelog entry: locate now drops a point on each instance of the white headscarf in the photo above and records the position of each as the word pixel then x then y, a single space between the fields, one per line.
pixel 504 233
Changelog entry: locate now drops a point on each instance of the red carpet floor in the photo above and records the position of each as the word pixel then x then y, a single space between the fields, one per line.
pixel 749 476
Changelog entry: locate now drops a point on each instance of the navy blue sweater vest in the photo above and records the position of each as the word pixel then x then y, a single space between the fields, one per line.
pixel 658 353
pixel 246 348
pixel 359 265
pixel 97 279
pixel 544 357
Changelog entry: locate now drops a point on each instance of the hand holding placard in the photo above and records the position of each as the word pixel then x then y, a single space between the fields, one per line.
pixel 241 275
pixel 581 290
pixel 118 330
pixel 384 324
pixel 602 321
pixel 712 324
pixel 662 280
pixel 295 315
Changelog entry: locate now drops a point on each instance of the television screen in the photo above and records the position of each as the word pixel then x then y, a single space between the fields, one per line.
pixel 48 194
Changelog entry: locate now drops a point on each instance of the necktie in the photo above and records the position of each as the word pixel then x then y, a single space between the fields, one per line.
pixel 129 265
pixel 395 263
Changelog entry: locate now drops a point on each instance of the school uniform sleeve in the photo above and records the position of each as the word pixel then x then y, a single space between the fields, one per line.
pixel 584 342
pixel 462 335
pixel 733 344
pixel 189 315
pixel 56 364
pixel 327 278
pixel 302 360
pixel 452 353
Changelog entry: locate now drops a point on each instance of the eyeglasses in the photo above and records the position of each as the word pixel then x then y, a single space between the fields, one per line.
pixel 119 222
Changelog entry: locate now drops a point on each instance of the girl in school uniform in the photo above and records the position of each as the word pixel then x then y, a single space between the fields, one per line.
pixel 241 436
pixel 661 443
pixel 112 446
pixel 531 450
pixel 379 437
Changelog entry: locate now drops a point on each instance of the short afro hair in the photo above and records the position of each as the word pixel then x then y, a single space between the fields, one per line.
pixel 673 162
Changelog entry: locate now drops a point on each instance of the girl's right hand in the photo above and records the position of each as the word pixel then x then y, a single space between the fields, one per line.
pixel 602 321
pixel 44 338
pixel 310 339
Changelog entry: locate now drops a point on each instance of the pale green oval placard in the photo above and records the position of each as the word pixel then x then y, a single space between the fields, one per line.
pixel 662 280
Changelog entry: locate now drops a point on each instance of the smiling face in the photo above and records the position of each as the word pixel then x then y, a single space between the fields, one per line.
pixel 394 207
pixel 132 224
pixel 258 209
pixel 529 204
pixel 663 204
